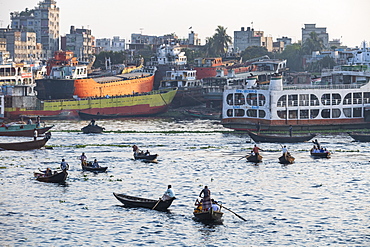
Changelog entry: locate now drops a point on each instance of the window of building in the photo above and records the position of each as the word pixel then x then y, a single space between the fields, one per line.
pixel 239 112
pixel 325 99
pixel 357 98
pixel 335 113
pixel 347 112
pixel 347 99
pixel 281 114
pixel 304 99
pixel 314 100
pixel 252 99
pixel 314 113
pixel 230 99
pixel 293 114
pixel 357 112
pixel 252 113
pixel 239 99
pixel 293 100
pixel 303 114
pixel 261 114
pixel 336 99
pixel 366 98
pixel 282 101
pixel 261 99
pixel 325 113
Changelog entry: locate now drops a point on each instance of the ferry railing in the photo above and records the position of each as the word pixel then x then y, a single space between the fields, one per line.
pixel 341 86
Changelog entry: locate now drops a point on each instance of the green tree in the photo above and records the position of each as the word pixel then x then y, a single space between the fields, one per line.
pixel 293 55
pixel 221 41
pixel 254 52
pixel 209 46
pixel 313 43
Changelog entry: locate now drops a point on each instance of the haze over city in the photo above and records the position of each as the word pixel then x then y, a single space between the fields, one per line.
pixel 344 20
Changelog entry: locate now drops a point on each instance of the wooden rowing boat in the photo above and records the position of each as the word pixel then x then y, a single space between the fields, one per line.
pixel 92 129
pixel 209 215
pixel 23 130
pixel 279 139
pixel 360 137
pixel 320 155
pixel 24 146
pixel 55 178
pixel 286 159
pixel 133 201
pixel 94 169
pixel 254 158
pixel 145 157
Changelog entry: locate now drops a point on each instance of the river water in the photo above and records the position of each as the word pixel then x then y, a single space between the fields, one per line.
pixel 313 202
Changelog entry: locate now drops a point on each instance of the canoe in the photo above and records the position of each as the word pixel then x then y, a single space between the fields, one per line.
pixel 24 146
pixel 133 201
pixel 208 215
pixel 198 114
pixel 92 129
pixel 280 139
pixel 23 130
pixel 286 159
pixel 145 157
pixel 55 178
pixel 360 137
pixel 94 169
pixel 254 158
pixel 320 155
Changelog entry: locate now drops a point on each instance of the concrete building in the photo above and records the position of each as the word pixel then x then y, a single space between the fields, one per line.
pixel 246 38
pixel 285 40
pixel 106 44
pixel 81 42
pixel 320 31
pixel 44 21
pixel 22 45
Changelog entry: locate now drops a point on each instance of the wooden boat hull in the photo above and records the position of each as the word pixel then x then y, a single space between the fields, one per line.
pixel 94 169
pixel 23 130
pixel 24 146
pixel 279 139
pixel 92 129
pixel 209 215
pixel 55 178
pixel 286 159
pixel 132 201
pixel 360 137
pixel 146 157
pixel 321 155
pixel 254 158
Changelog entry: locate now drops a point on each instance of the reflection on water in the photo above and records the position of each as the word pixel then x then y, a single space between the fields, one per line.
pixel 313 202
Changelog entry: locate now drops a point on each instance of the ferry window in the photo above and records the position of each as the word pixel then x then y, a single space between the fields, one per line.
pixel 239 99
pixel 366 97
pixel 303 114
pixel 252 99
pixel 347 112
pixel 304 100
pixel 357 112
pixel 314 113
pixel 261 114
pixel 239 112
pixel 325 99
pixel 229 99
pixel 335 113
pixel 229 112
pixel 314 100
pixel 262 99
pixel 325 113
pixel 282 114
pixel 282 101
pixel 347 99
pixel 357 98
pixel 293 114
pixel 293 100
pixel 251 113
pixel 336 98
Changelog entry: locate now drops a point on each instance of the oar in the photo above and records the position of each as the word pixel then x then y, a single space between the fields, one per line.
pixel 156 204
pixel 243 157
pixel 232 212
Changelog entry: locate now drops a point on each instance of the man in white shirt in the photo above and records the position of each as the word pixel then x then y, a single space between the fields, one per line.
pixel 168 194
pixel 285 150
pixel 64 165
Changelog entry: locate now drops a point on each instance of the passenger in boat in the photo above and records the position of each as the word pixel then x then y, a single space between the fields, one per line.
pixel 48 172
pixel 199 205
pixel 147 153
pixel 83 159
pixel 35 134
pixel 92 122
pixel 206 198
pixel 215 207
pixel 256 150
pixel 95 164
pixel 64 165
pixel 29 121
pixel 135 149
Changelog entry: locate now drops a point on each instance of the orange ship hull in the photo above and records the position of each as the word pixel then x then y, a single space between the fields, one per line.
pixel 91 87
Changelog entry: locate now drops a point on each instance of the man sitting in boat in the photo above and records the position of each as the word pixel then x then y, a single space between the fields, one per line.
pixel 168 194
pixel 147 153
pixel 92 122
pixel 215 207
pixel 48 172
pixel 199 205
pixel 83 159
pixel 95 164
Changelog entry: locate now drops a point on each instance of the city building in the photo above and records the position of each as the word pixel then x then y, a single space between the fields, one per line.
pixel 44 21
pixel 246 38
pixel 320 31
pixel 106 44
pixel 80 42
pixel 285 40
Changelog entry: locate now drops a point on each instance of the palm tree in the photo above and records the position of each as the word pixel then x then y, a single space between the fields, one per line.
pixel 313 43
pixel 209 47
pixel 221 40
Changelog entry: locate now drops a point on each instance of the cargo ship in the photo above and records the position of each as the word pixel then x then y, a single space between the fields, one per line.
pixel 66 79
pixel 144 104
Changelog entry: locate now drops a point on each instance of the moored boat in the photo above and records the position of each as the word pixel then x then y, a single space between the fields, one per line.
pixel 360 137
pixel 279 139
pixel 59 177
pixel 28 145
pixel 16 129
pixel 133 201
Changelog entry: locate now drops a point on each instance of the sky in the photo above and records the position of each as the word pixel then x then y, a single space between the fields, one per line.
pixel 346 20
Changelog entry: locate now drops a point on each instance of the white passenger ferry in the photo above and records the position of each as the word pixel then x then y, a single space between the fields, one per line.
pixel 306 107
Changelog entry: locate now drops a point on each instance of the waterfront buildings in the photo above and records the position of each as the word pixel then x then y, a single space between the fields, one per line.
pixel 107 44
pixel 320 31
pixel 80 42
pixel 245 38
